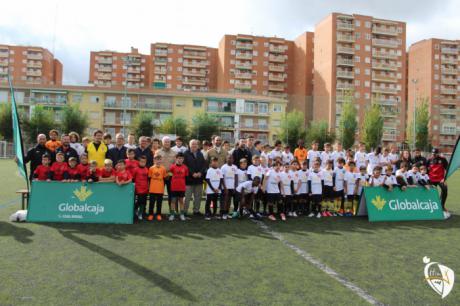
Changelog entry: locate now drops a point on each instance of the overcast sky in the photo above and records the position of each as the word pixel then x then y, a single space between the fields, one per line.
pixel 71 29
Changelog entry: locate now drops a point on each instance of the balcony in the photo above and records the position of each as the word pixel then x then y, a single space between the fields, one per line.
pixel 104 60
pixel 344 62
pixel 345 26
pixel 194 64
pixel 134 70
pixel 275 78
pixel 194 55
pixel 277 59
pixel 35 56
pixel 384 78
pixel 276 68
pixel 449 50
pixel 255 126
pixel 345 50
pixel 4 53
pixel 449 81
pixel 448 129
pixel 385 90
pixel 243 55
pixel 160 61
pixel 276 49
pixel 386 102
pixel 447 111
pixel 388 137
pixel 345 38
pixel 244 86
pixel 49 101
pixel 104 76
pixel 243 76
pixel 220 108
pixel 345 86
pixel 448 71
pixel 161 106
pixel 105 68
pixel 195 82
pixel 243 65
pixel 133 78
pixel 161 53
pixel 243 46
pixel 448 91
pixel 3 71
pixel 385 43
pixel 34 72
pixel 388 114
pixel 276 87
pixel 193 73
pixel 449 101
pixel 385 31
pixel 34 64
pixel 4 63
pixel 447 142
pixel 384 66
pixel 345 74
pixel 385 55
pixel 449 60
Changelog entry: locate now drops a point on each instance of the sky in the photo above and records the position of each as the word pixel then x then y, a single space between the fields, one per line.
pixel 71 29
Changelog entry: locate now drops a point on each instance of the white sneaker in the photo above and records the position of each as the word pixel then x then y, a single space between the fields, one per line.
pixel 294 214
pixel 290 214
pixel 311 215
pixel 182 217
pixel 224 217
pixel 171 217
pixel 318 215
pixel 139 215
pixel 251 216
pixel 207 218
pixel 447 215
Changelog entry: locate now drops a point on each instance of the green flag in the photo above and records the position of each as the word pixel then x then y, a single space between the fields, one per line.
pixel 454 163
pixel 17 136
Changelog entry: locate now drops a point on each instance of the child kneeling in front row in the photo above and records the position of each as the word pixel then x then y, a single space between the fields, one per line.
pixel 247 191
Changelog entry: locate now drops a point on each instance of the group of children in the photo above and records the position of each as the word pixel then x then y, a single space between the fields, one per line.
pixel 313 183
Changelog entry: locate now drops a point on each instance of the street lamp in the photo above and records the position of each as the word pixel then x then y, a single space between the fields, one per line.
pixel 414 81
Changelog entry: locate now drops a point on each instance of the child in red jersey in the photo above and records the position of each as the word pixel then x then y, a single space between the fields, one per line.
pixel 59 168
pixel 83 167
pixel 141 184
pixel 107 174
pixel 179 172
pixel 73 173
pixel 92 176
pixel 122 176
pixel 131 162
pixel 42 172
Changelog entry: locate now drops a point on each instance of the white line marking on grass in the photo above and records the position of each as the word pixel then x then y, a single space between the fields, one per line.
pixel 305 255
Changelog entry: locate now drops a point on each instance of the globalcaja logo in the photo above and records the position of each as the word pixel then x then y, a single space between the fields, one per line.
pixel 82 194
pixel 378 202
pixel 440 278
pixel 400 204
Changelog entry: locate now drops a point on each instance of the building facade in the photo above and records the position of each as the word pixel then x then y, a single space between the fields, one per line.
pixel 433 77
pixel 29 65
pixel 364 57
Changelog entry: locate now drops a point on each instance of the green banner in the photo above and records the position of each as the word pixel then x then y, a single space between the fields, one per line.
pixel 454 162
pixel 81 202
pixel 416 203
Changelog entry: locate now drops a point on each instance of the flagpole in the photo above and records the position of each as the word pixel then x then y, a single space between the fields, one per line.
pixel 452 157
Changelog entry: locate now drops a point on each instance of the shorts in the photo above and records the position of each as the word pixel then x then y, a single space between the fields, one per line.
pixel 273 197
pixel 177 194
pixel 352 197
pixel 316 198
pixel 329 192
pixel 339 194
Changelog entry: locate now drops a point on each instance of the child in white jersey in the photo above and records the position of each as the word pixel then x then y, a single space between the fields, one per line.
pixel 315 187
pixel 272 188
pixel 351 190
pixel 230 174
pixel 287 157
pixel 423 178
pixel 215 181
pixel 390 179
pixel 302 188
pixel 328 191
pixel 339 179
pixel 361 156
pixel 256 170
pixel 326 155
pixel 242 177
pixel 377 179
pixel 313 154
pixel 338 153
pixel 363 179
pixel 286 191
pixel 247 191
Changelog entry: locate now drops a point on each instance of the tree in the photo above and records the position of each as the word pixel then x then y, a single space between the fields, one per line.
pixel 348 123
pixel 319 131
pixel 204 126
pixel 6 122
pixel 372 128
pixel 74 120
pixel 422 119
pixel 41 122
pixel 293 128
pixel 176 126
pixel 142 124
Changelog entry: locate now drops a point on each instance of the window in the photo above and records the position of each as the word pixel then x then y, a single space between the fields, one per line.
pixel 276 123
pixel 197 103
pixel 367 24
pixel 367 48
pixel 109 118
pixel 263 108
pixel 357 83
pixel 357 47
pixel 76 98
pixel 367 60
pixel 357 71
pixel 357 23
pixel 368 36
pixel 263 124
pixel 94 99
pixel 94 115
pixel 277 108
pixel 249 107
pixel 248 122
pixel 367 71
pixel 367 84
pixel 358 35
pixel 357 59
pixel 436 76
pixel 227 121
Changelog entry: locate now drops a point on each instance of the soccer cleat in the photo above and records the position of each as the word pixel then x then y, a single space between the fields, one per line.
pixel 245 212
pixel 171 217
pixel 272 217
pixel 446 214
pixel 207 218
pixel 159 217
pixel 182 217
pixel 283 217
pixel 150 218
pixel 290 214
pixel 258 216
pixel 318 215
pixel 328 214
pixel 294 214
pixel 224 217
pixel 311 215
pixel 323 214
pixel 251 216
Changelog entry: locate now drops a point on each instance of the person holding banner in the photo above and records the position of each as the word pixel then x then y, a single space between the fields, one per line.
pixel 437 172
pixel 35 154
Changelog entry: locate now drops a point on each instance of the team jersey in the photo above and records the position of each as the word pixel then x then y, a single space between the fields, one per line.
pixel 157 177
pixel 363 181
pixel 83 170
pixel 376 181
pixel 275 154
pixel 339 177
pixel 423 179
pixel 300 154
pixel 393 157
pixel 312 156
pixel 247 188
pixel 325 157
pixel 350 182
pixel 57 170
pixel 242 175
pixel 229 172
pixel 254 171
pixel 315 179
pixel 374 160
pixel 328 177
pixel 336 155
pixel 141 180
pixel 123 176
pixel 361 159
pixel 302 181
pixel 273 179
pixel 286 180
pixel 214 175
pixel 42 172
pixel 414 176
pixel 131 165
pixel 287 158
pixel 390 180
pixel 73 173
pixel 403 174
pixel 179 173
pixel 105 174
pixel 385 160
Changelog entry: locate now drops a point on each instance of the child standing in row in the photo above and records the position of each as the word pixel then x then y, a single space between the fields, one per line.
pixel 214 180
pixel 157 174
pixel 179 172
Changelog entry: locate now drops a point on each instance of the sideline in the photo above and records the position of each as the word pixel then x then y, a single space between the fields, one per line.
pixel 10 202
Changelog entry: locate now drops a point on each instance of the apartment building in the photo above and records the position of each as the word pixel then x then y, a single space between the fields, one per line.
pixel 109 109
pixel 433 76
pixel 183 67
pixel 29 65
pixel 119 70
pixel 365 57
pixel 255 65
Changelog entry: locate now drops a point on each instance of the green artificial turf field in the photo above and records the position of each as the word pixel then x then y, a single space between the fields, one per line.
pixel 233 262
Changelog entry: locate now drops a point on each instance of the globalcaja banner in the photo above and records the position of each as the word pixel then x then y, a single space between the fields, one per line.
pixel 416 203
pixel 81 202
